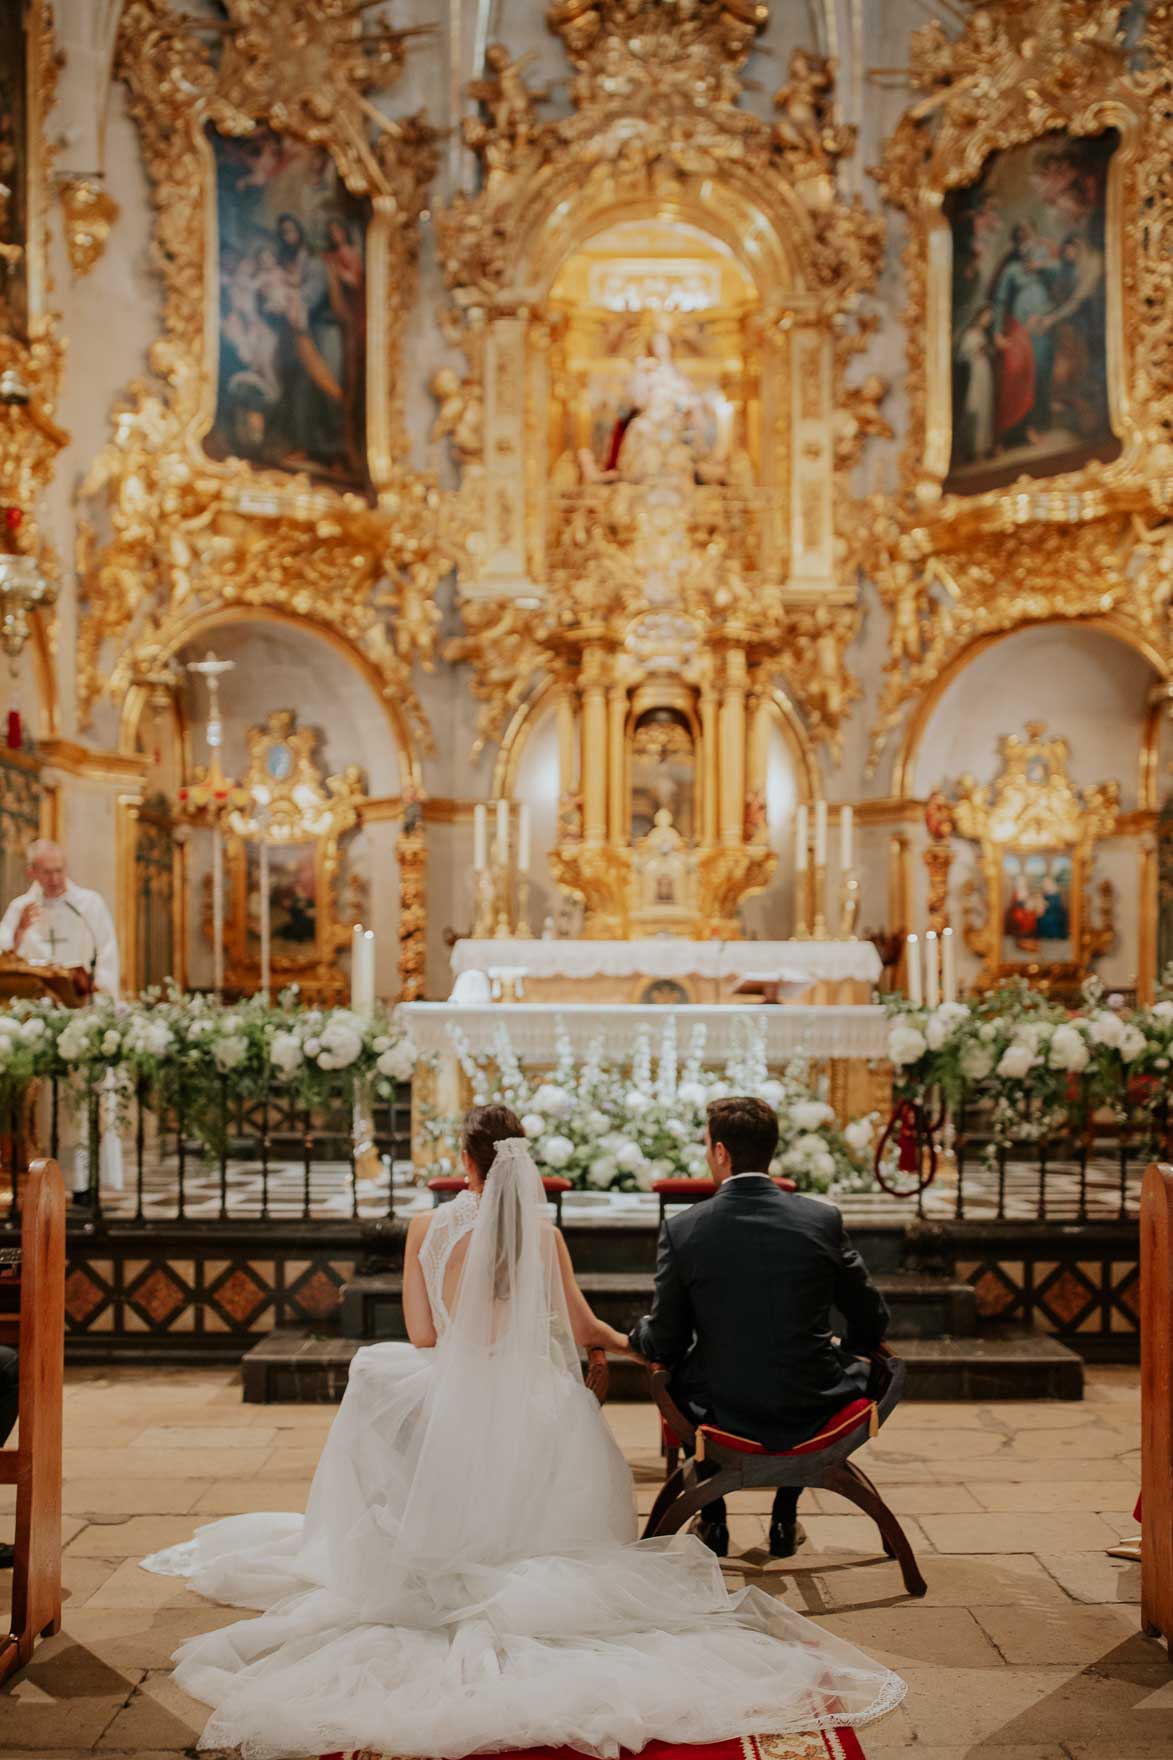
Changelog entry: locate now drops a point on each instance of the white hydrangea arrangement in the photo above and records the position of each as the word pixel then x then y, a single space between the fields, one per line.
pixel 1039 1067
pixel 623 1125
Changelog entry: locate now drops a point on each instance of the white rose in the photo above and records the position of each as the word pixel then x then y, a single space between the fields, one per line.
pixel 954 1011
pixel 285 1053
pixel 690 1094
pixel 635 1101
pixel 381 1043
pixel 771 1091
pixel 158 1039
pixel 533 1124
pixel 988 1031
pixel 1132 1044
pixel 111 1043
pixel 906 1045
pixel 1068 1049
pixel 1106 1028
pixel 230 1025
pixel 230 1053
pixel 602 1170
pixel 556 1151
pixel 397 1061
pixel 1162 1010
pixel 1027 1033
pixel 597 1122
pixel 936 1032
pixel 342 1044
pixel 552 1099
pixel 976 1062
pixel 858 1135
pixel 311 1045
pixel 629 1156
pixel 199 1029
pixel 1016 1061
pixel 32 1028
pixel 811 1115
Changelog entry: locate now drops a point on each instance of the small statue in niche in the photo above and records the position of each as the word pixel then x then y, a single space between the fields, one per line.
pixel 461 415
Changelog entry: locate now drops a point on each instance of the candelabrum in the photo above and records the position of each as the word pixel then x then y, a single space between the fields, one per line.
pixel 523 932
pixel 848 906
pixel 802 930
pixel 486 899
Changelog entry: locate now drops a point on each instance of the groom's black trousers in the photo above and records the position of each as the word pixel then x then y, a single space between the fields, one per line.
pixel 785 1506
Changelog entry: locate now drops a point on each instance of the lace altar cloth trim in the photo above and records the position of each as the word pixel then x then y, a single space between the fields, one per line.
pixel 821 1032
pixel 786 962
pixel 827 1744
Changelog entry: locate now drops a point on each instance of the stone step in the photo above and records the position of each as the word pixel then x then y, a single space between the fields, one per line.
pixel 292 1365
pixel 921 1306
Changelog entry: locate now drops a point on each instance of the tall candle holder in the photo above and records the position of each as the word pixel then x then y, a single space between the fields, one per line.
pixel 820 931
pixel 485 905
pixel 502 931
pixel 848 906
pixel 523 932
pixel 802 930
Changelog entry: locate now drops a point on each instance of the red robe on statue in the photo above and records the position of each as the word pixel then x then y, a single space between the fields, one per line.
pixel 1016 377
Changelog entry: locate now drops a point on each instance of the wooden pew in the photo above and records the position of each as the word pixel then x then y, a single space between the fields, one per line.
pixel 1156 1396
pixel 34 1465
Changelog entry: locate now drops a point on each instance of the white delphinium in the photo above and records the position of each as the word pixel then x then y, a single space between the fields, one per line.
pixel 666 1073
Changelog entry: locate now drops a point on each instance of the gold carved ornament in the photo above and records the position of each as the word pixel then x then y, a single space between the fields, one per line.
pixel 411 854
pixel 31 350
pixel 170 532
pixel 656 126
pixel 1091 542
pixel 89 212
pixel 284 799
pixel 1033 810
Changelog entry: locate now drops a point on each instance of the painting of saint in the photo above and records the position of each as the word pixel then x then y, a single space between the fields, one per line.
pixel 293 907
pixel 13 170
pixel 1029 314
pixel 291 377
pixel 1036 915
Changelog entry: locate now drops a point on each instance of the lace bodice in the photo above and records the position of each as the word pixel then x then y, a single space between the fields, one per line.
pixel 450 1224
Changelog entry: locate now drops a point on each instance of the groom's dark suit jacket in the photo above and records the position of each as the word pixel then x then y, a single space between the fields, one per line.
pixel 745 1285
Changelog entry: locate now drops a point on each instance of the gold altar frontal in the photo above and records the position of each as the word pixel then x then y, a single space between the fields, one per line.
pixel 689 988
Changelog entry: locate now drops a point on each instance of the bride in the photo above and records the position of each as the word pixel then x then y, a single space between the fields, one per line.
pixel 466 1577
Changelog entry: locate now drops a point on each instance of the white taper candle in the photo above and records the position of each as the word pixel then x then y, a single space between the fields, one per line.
pixel 949 963
pixel 802 831
pixel 846 838
pixel 480 838
pixel 932 970
pixel 913 986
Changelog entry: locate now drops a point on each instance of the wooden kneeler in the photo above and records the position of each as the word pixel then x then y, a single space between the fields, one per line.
pixel 821 1464
pixel 34 1465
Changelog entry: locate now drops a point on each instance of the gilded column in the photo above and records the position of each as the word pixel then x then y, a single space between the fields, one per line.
pixel 709 785
pixel 567 754
pixel 731 725
pixel 593 771
pixel 759 752
pixel 617 762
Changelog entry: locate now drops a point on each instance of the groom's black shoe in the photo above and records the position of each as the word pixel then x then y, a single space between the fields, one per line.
pixel 7 1556
pixel 715 1536
pixel 786 1538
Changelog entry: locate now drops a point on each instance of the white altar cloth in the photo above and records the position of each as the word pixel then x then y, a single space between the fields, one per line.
pixel 838 1032
pixel 797 964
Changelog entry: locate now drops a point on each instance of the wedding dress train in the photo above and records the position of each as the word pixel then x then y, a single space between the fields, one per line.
pixel 466 1577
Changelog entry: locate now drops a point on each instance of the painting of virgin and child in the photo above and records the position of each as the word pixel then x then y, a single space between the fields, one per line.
pixel 1036 916
pixel 1029 313
pixel 13 173
pixel 291 377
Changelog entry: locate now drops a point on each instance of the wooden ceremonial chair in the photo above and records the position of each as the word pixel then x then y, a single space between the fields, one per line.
pixel 695 1191
pixel 819 1464
pixel 449 1184
pixel 34 1465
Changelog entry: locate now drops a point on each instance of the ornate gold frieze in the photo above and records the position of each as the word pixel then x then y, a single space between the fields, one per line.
pixel 201 497
pixel 411 854
pixel 1031 913
pixel 998 521
pixel 31 349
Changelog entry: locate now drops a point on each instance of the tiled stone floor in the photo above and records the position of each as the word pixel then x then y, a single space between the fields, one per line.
pixel 1026 1647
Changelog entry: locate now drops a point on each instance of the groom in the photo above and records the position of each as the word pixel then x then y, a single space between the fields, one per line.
pixel 745 1285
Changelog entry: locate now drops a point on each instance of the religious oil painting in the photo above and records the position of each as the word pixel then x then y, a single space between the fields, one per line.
pixel 1036 907
pixel 1029 336
pixel 291 278
pixel 13 169
pixel 293 900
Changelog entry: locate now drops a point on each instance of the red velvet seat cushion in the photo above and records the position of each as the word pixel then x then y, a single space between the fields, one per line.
pixel 452 1182
pixel 691 1191
pixel 856 1412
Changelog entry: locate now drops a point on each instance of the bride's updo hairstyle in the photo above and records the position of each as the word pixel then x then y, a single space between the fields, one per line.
pixel 484 1128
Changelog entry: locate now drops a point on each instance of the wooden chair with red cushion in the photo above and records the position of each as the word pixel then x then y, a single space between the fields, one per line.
pixel 819 1464
pixel 449 1184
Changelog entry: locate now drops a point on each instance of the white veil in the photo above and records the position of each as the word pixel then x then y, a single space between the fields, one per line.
pixel 504 1371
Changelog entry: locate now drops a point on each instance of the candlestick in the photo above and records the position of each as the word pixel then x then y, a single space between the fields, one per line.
pixel 266 918
pixel 820 834
pixel 485 901
pixel 846 838
pixel 523 932
pixel 502 930
pixel 480 838
pixel 820 933
pixel 523 839
pixel 501 853
pixel 949 964
pixel 912 971
pixel 356 967
pixel 932 971
pixel 217 908
pixel 848 904
pixel 366 1007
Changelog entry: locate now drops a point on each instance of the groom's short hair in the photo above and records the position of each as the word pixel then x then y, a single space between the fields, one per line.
pixel 749 1130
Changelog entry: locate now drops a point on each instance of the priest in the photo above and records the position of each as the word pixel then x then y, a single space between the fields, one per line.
pixel 59 923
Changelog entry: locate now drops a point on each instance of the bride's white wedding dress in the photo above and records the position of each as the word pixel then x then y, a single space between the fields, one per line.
pixel 466 1577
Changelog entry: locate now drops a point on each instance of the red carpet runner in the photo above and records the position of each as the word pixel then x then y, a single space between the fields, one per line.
pixel 831 1744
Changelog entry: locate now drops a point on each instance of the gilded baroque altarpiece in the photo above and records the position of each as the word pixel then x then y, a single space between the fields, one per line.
pixel 657 297
pixel 1040 84
pixel 293 323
